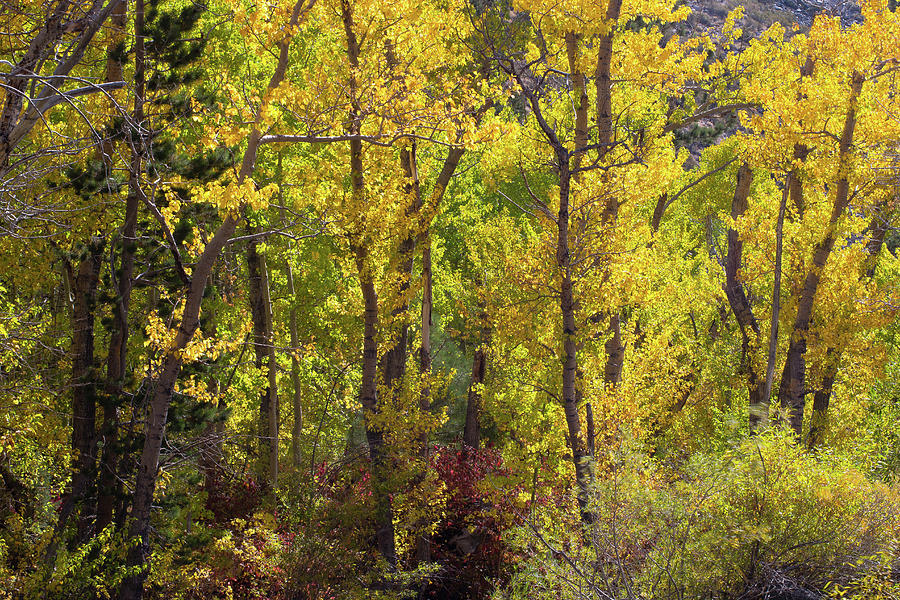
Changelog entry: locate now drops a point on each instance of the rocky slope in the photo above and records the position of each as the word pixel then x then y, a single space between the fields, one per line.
pixel 760 14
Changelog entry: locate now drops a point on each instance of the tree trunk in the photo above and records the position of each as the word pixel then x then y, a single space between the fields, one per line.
pixel 384 517
pixel 83 286
pixel 791 393
pixel 297 429
pixel 615 349
pixel 210 459
pixel 84 387
pixel 133 586
pixel 571 384
pixel 472 430
pixel 801 151
pixel 297 395
pixel 579 84
pixel 274 412
pixel 658 211
pixel 426 213
pixel 116 360
pixel 776 305
pixel 879 227
pixel 395 354
pixel 737 298
pixel 145 483
pixel 423 542
pixel 426 324
pixel 603 80
pixel 822 397
pixel 569 332
pixel 264 351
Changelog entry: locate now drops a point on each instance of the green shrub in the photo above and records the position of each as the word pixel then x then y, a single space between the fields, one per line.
pixel 762 519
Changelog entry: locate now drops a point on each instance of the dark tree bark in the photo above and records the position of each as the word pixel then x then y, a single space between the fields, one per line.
pixel 108 485
pixel 615 353
pixel 264 359
pixel 615 349
pixel 384 524
pixel 164 386
pixel 801 151
pixel 84 383
pixel 658 211
pixel 395 354
pixel 472 429
pixel 822 397
pixel 83 285
pixel 426 323
pixel 384 519
pixel 879 226
pixel 603 80
pixel 132 587
pixel 426 213
pixel 423 542
pixel 792 392
pixel 737 298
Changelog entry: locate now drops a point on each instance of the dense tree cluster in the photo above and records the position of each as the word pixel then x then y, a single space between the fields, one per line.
pixel 493 299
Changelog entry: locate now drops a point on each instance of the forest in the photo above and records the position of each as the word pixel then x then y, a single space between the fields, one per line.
pixel 449 299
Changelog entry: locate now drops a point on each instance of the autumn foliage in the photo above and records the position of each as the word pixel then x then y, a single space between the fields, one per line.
pixel 508 299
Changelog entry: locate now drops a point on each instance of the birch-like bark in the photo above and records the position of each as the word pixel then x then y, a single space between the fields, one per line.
pixel 297 397
pixel 579 87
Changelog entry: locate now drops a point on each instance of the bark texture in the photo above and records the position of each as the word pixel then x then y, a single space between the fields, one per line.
pixel 472 430
pixel 879 227
pixel 132 587
pixel 792 391
pixel 737 298
pixel 108 485
pixel 384 520
pixel 84 383
pixel 264 359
